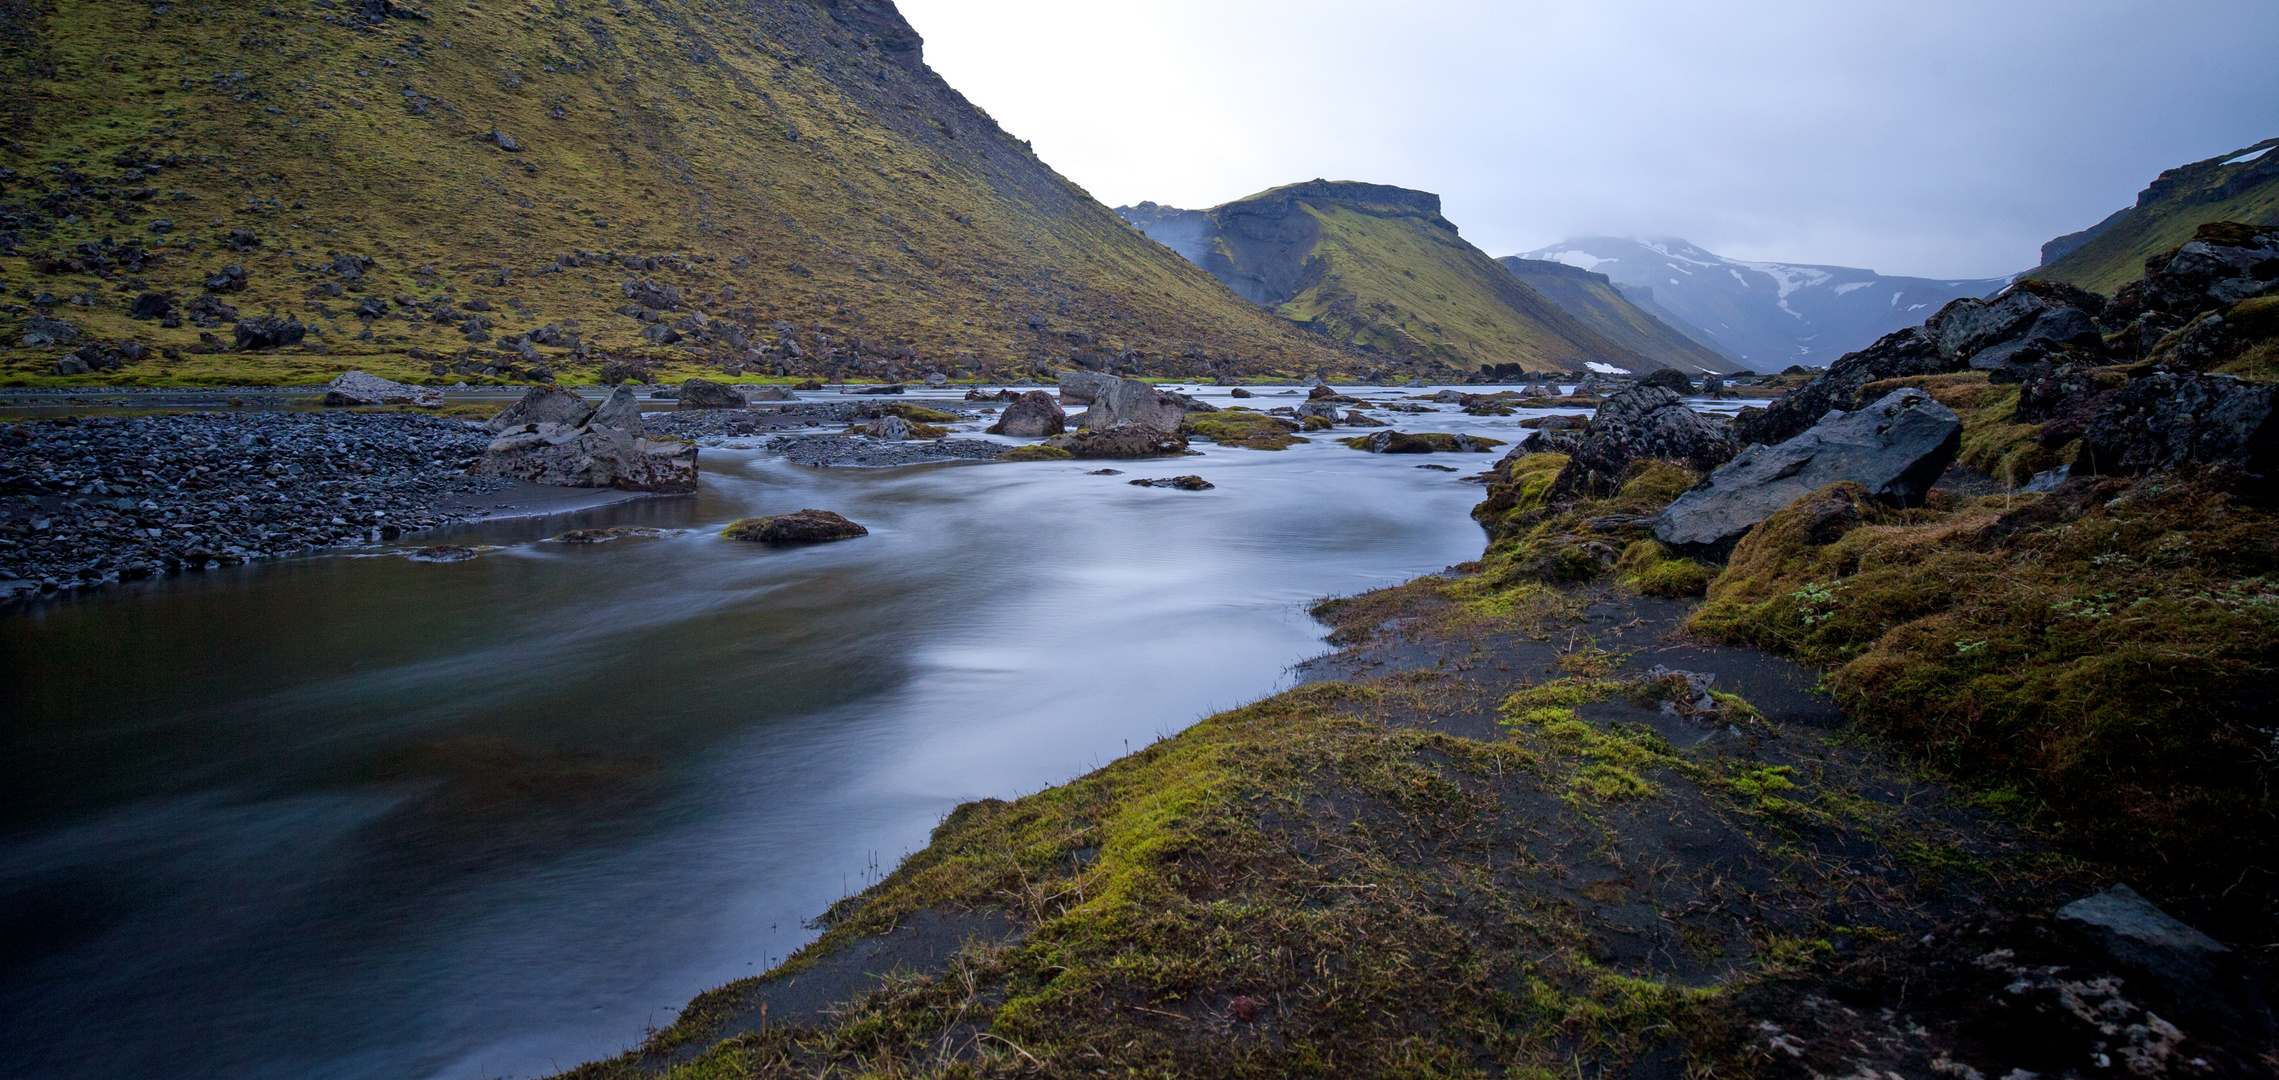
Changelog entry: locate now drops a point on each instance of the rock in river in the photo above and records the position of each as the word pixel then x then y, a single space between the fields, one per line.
pixel 804 527
pixel 357 388
pixel 1894 448
pixel 1129 441
pixel 706 394
pixel 592 456
pixel 1183 483
pixel 621 410
pixel 1034 415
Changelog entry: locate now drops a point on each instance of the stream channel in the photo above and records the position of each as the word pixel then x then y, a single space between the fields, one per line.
pixel 352 815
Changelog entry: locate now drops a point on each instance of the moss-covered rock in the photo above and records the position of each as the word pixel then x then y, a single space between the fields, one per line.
pixel 801 527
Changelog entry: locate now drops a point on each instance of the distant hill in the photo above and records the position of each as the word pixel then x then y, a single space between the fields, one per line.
pixel 1603 307
pixel 1769 314
pixel 792 172
pixel 1379 269
pixel 2240 186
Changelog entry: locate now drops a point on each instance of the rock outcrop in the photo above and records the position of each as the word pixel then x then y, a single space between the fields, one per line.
pixel 546 405
pixel 1129 441
pixel 802 527
pixel 706 394
pixel 357 388
pixel 1083 387
pixel 2171 419
pixel 1895 449
pixel 1633 425
pixel 570 455
pixel 620 410
pixel 1132 403
pixel 1033 415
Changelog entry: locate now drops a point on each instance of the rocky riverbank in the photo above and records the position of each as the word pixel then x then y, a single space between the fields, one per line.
pixel 95 500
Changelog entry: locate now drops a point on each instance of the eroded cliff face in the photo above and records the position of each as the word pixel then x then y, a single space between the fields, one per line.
pixel 2241 186
pixel 764 186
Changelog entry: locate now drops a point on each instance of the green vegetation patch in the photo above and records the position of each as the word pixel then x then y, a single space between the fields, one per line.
pixel 1245 428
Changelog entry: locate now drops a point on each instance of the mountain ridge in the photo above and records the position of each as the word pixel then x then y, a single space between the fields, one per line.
pixel 1770 314
pixel 2241 186
pixel 782 188
pixel 1380 268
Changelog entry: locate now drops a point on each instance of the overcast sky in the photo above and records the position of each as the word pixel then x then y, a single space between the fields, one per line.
pixel 1929 138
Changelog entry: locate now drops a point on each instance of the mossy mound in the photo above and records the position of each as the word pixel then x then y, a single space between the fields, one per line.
pixel 1036 452
pixel 919 414
pixel 801 527
pixel 1243 427
pixel 2103 652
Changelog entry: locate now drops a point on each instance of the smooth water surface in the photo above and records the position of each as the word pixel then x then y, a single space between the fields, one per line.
pixel 359 816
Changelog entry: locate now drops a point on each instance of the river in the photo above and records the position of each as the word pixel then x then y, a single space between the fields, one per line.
pixel 360 816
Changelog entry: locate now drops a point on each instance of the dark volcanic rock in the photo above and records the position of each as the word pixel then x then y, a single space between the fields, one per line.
pixel 1895 449
pixel 804 527
pixel 1122 442
pixel 706 394
pixel 1669 379
pixel 1428 442
pixel 1033 415
pixel 544 405
pixel 2170 419
pixel 2192 967
pixel 1633 425
pixel 1183 483
pixel 563 455
pixel 1132 403
pixel 269 332
pixel 2223 263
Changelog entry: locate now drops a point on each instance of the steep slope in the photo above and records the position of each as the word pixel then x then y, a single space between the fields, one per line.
pixel 1595 300
pixel 2241 186
pixel 1379 268
pixel 1771 315
pixel 732 174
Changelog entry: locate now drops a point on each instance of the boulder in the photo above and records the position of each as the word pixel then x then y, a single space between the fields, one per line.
pixel 545 405
pixel 1633 425
pixel 2192 967
pixel 768 393
pixel 1183 483
pixel 1424 442
pixel 890 428
pixel 1669 379
pixel 2224 262
pixel 803 527
pixel 1130 402
pixel 1240 393
pixel 706 394
pixel 2172 419
pixel 1895 449
pixel 1033 415
pixel 565 455
pixel 1130 441
pixel 621 410
pixel 269 332
pixel 1325 409
pixel 1084 387
pixel 357 388
pixel 888 388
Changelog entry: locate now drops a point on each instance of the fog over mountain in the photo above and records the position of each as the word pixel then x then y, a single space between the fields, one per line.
pixel 1770 314
pixel 1939 139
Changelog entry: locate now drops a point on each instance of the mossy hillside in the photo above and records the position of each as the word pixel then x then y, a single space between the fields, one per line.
pixel 2168 212
pixel 772 162
pixel 1379 268
pixel 1594 300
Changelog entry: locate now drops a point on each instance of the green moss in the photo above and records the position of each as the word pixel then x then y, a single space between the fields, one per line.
pixel 2088 658
pixel 1036 452
pixel 921 415
pixel 1243 427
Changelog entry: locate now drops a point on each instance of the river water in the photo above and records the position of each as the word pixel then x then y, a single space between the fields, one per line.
pixel 360 816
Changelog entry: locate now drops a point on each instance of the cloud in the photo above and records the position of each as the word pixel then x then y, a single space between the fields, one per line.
pixel 1933 138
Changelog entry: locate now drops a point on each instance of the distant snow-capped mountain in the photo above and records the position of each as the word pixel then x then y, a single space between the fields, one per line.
pixel 1769 314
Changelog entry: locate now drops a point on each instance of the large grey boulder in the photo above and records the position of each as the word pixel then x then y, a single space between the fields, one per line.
pixel 1132 403
pixel 1085 387
pixel 566 455
pixel 1896 448
pixel 544 405
pixel 1635 424
pixel 620 410
pixel 1034 415
pixel 706 394
pixel 357 388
